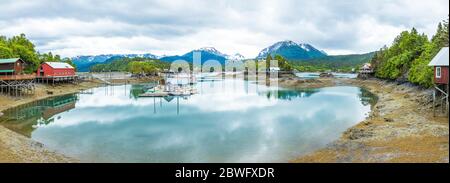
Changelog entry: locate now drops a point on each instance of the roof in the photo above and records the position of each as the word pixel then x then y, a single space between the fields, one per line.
pixel 8 60
pixel 5 71
pixel 59 65
pixel 441 59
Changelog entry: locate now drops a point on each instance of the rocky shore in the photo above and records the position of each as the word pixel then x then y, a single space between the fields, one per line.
pixel 401 128
pixel 17 148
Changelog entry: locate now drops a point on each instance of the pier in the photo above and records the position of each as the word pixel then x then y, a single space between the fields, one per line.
pixel 17 85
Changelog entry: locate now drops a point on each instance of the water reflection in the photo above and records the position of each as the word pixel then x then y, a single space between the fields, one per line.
pixel 284 94
pixel 228 121
pixel 26 118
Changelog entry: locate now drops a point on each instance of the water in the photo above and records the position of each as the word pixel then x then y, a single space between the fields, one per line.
pixel 312 75
pixel 228 121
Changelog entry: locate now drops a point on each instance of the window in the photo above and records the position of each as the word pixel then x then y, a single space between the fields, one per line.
pixel 438 72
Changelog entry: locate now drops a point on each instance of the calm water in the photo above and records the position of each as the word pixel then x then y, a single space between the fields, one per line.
pixel 312 75
pixel 228 121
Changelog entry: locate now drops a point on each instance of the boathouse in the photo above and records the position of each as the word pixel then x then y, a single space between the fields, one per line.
pixel 55 69
pixel 13 81
pixel 56 72
pixel 12 66
pixel 440 67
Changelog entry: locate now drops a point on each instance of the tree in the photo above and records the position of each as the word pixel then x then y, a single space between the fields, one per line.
pixel 5 52
pixel 283 64
pixel 408 57
pixel 268 59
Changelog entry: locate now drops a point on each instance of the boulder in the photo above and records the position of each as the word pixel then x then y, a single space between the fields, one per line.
pixel 326 75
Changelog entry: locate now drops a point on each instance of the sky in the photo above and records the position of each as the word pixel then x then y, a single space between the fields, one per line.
pixel 162 27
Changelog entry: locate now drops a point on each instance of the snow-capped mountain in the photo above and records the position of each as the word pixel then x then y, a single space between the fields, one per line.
pixel 214 51
pixel 236 56
pixel 291 51
pixel 207 53
pixel 211 50
pixel 288 49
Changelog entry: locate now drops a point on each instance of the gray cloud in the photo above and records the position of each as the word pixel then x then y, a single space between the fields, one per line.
pixel 173 27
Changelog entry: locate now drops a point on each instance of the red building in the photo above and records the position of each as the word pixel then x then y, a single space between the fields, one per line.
pixel 440 64
pixel 55 69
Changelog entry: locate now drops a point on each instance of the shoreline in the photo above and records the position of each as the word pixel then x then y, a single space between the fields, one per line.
pixel 399 128
pixel 16 148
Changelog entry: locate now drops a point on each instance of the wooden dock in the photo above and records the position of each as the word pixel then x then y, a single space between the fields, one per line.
pixel 157 94
pixel 17 85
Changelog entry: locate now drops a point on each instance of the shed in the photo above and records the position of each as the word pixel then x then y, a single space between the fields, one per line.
pixel 11 66
pixel 55 69
pixel 440 64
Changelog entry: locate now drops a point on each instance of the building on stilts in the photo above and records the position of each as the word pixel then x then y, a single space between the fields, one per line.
pixel 441 76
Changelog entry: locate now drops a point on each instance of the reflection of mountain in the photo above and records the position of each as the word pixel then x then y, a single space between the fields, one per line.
pixel 24 118
pixel 367 98
pixel 290 94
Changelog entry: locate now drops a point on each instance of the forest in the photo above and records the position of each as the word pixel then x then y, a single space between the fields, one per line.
pixel 336 63
pixel 135 65
pixel 20 47
pixel 408 57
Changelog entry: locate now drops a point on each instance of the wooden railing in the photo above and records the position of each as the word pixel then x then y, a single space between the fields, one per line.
pixel 17 77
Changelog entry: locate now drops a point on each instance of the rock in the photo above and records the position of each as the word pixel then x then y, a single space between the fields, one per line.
pixel 357 133
pixel 388 120
pixel 326 75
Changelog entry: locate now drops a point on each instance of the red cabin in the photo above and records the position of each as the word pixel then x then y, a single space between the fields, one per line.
pixel 55 69
pixel 440 64
pixel 13 66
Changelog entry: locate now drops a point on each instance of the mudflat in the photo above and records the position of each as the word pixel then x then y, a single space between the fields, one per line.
pixel 400 128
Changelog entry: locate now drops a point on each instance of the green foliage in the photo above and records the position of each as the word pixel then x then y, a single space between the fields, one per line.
pixel 338 63
pixel 268 59
pixel 283 64
pixel 5 52
pixel 408 57
pixel 134 65
pixel 20 47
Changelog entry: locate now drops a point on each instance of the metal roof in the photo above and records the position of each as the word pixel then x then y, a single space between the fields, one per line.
pixel 441 59
pixel 8 60
pixel 59 65
pixel 6 71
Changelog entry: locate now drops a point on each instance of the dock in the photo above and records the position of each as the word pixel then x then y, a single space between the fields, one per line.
pixel 159 94
pixel 17 85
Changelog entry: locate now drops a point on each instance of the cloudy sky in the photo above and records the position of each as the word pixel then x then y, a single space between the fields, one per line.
pixel 162 27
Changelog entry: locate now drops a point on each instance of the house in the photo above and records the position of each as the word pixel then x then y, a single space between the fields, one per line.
pixel 274 69
pixel 11 66
pixel 440 94
pixel 55 69
pixel 366 68
pixel 440 64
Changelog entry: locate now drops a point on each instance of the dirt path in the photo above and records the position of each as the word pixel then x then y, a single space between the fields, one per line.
pixel 401 128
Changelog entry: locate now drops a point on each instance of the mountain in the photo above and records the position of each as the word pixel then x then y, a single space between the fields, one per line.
pixel 83 63
pixel 207 53
pixel 291 51
pixel 236 56
pixel 335 62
